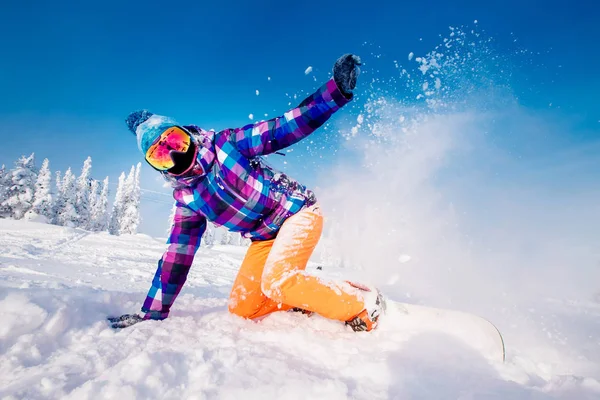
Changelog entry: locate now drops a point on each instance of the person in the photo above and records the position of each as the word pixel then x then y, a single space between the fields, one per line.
pixel 221 177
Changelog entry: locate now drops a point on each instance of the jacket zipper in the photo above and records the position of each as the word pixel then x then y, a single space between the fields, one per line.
pixel 224 185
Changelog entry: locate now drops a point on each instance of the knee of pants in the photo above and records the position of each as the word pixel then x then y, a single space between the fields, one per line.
pixel 274 288
pixel 241 308
pixel 267 289
pixel 240 304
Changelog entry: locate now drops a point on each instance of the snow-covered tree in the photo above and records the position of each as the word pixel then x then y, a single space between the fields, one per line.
pixel 117 210
pixel 59 200
pixel 131 202
pixel 58 181
pixel 3 190
pixel 66 212
pixel 21 187
pixel 239 240
pixel 226 237
pixel 208 238
pixel 93 200
pixel 82 194
pixel 42 198
pixel 99 216
pixel 236 239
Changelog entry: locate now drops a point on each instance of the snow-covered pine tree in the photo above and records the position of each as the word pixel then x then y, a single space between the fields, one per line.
pixel 21 187
pixel 67 214
pixel 58 182
pixel 3 188
pixel 59 199
pixel 208 238
pixel 93 200
pixel 42 198
pixel 101 208
pixel 131 204
pixel 82 195
pixel 226 236
pixel 235 239
pixel 117 209
pixel 136 198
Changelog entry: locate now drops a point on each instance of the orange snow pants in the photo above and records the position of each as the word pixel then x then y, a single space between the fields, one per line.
pixel 273 277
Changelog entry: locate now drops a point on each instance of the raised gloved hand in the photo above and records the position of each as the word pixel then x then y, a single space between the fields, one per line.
pixel 345 72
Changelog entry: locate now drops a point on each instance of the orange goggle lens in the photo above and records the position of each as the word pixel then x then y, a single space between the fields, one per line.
pixel 173 139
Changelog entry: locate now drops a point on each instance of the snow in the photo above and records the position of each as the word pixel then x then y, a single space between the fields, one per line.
pixel 58 284
pixel 257 92
pixel 308 70
pixel 404 258
pixel 251 116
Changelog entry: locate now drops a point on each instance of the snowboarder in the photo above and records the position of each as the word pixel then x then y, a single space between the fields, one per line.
pixel 220 177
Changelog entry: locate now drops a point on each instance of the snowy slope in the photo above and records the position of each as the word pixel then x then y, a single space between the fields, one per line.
pixel 57 285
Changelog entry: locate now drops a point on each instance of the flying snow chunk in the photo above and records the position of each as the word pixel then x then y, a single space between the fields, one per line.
pixel 404 258
pixel 410 55
pixel 268 78
pixel 257 92
pixel 308 70
pixel 251 116
pixel 360 119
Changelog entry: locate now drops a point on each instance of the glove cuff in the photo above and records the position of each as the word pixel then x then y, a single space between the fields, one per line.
pixel 347 94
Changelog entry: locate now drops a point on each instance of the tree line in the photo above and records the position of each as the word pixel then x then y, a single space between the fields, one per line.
pixel 36 194
pixel 32 193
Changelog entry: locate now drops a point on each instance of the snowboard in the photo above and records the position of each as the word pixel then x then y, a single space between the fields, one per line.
pixel 474 331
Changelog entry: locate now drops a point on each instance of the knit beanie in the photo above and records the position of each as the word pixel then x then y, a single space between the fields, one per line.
pixel 147 127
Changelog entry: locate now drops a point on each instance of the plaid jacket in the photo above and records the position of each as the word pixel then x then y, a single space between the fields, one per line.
pixel 232 187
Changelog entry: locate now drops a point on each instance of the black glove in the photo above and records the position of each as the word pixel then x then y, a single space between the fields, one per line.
pixel 345 72
pixel 124 320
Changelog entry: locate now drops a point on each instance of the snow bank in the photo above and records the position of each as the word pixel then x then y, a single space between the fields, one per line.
pixel 58 285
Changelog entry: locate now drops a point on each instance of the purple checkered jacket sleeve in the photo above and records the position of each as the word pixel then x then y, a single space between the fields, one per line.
pixel 266 137
pixel 175 263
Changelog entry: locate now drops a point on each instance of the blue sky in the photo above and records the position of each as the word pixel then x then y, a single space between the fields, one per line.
pixel 70 72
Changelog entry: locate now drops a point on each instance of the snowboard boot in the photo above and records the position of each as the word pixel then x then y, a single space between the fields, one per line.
pixel 375 306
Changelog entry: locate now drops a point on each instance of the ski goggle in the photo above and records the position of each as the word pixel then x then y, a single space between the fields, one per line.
pixel 173 139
